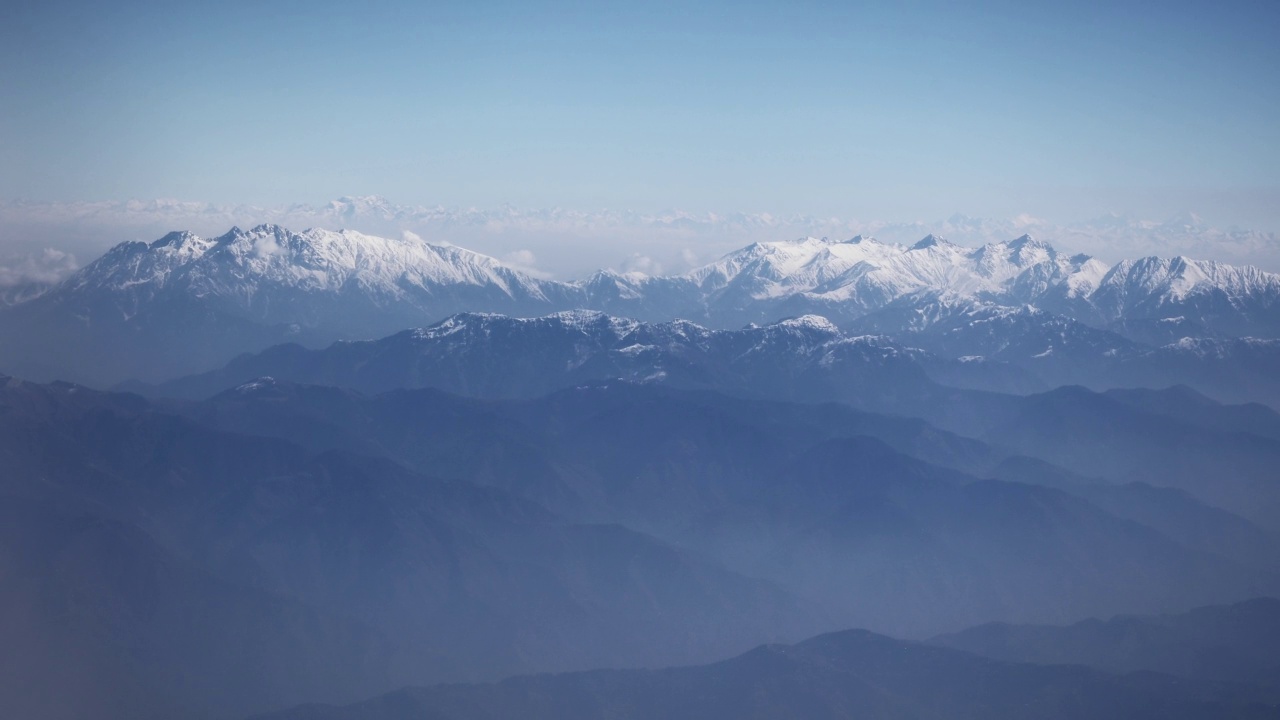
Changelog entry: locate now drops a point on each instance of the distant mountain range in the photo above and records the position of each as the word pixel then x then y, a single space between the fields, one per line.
pixel 185 304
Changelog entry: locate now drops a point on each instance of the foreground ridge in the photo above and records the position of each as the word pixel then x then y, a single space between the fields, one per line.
pixel 839 675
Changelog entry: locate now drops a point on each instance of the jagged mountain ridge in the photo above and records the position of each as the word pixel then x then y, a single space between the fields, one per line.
pixel 185 303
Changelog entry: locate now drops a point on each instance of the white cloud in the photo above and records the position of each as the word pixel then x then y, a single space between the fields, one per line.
pixel 45 267
pixel 642 263
pixel 569 243
pixel 266 246
pixel 525 261
pixel 525 258
pixel 689 257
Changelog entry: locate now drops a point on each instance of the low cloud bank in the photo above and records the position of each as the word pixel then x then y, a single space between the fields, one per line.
pixel 569 243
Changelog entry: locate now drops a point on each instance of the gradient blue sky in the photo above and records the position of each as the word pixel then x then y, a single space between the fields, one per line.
pixel 893 111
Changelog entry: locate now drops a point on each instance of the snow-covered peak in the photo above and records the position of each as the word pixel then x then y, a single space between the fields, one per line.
pixel 803 335
pixel 584 322
pixel 1086 275
pixel 131 264
pixel 809 322
pixel 257 385
pixel 176 239
pixel 589 320
pixel 776 269
pixel 1177 278
pixel 270 256
pixel 929 241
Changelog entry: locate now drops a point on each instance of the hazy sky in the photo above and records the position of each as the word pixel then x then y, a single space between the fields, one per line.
pixel 1065 110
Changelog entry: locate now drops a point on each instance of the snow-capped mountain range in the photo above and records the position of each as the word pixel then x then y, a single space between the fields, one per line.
pixel 185 303
pixel 277 276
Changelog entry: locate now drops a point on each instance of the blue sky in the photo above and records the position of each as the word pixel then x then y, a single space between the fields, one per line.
pixel 910 110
